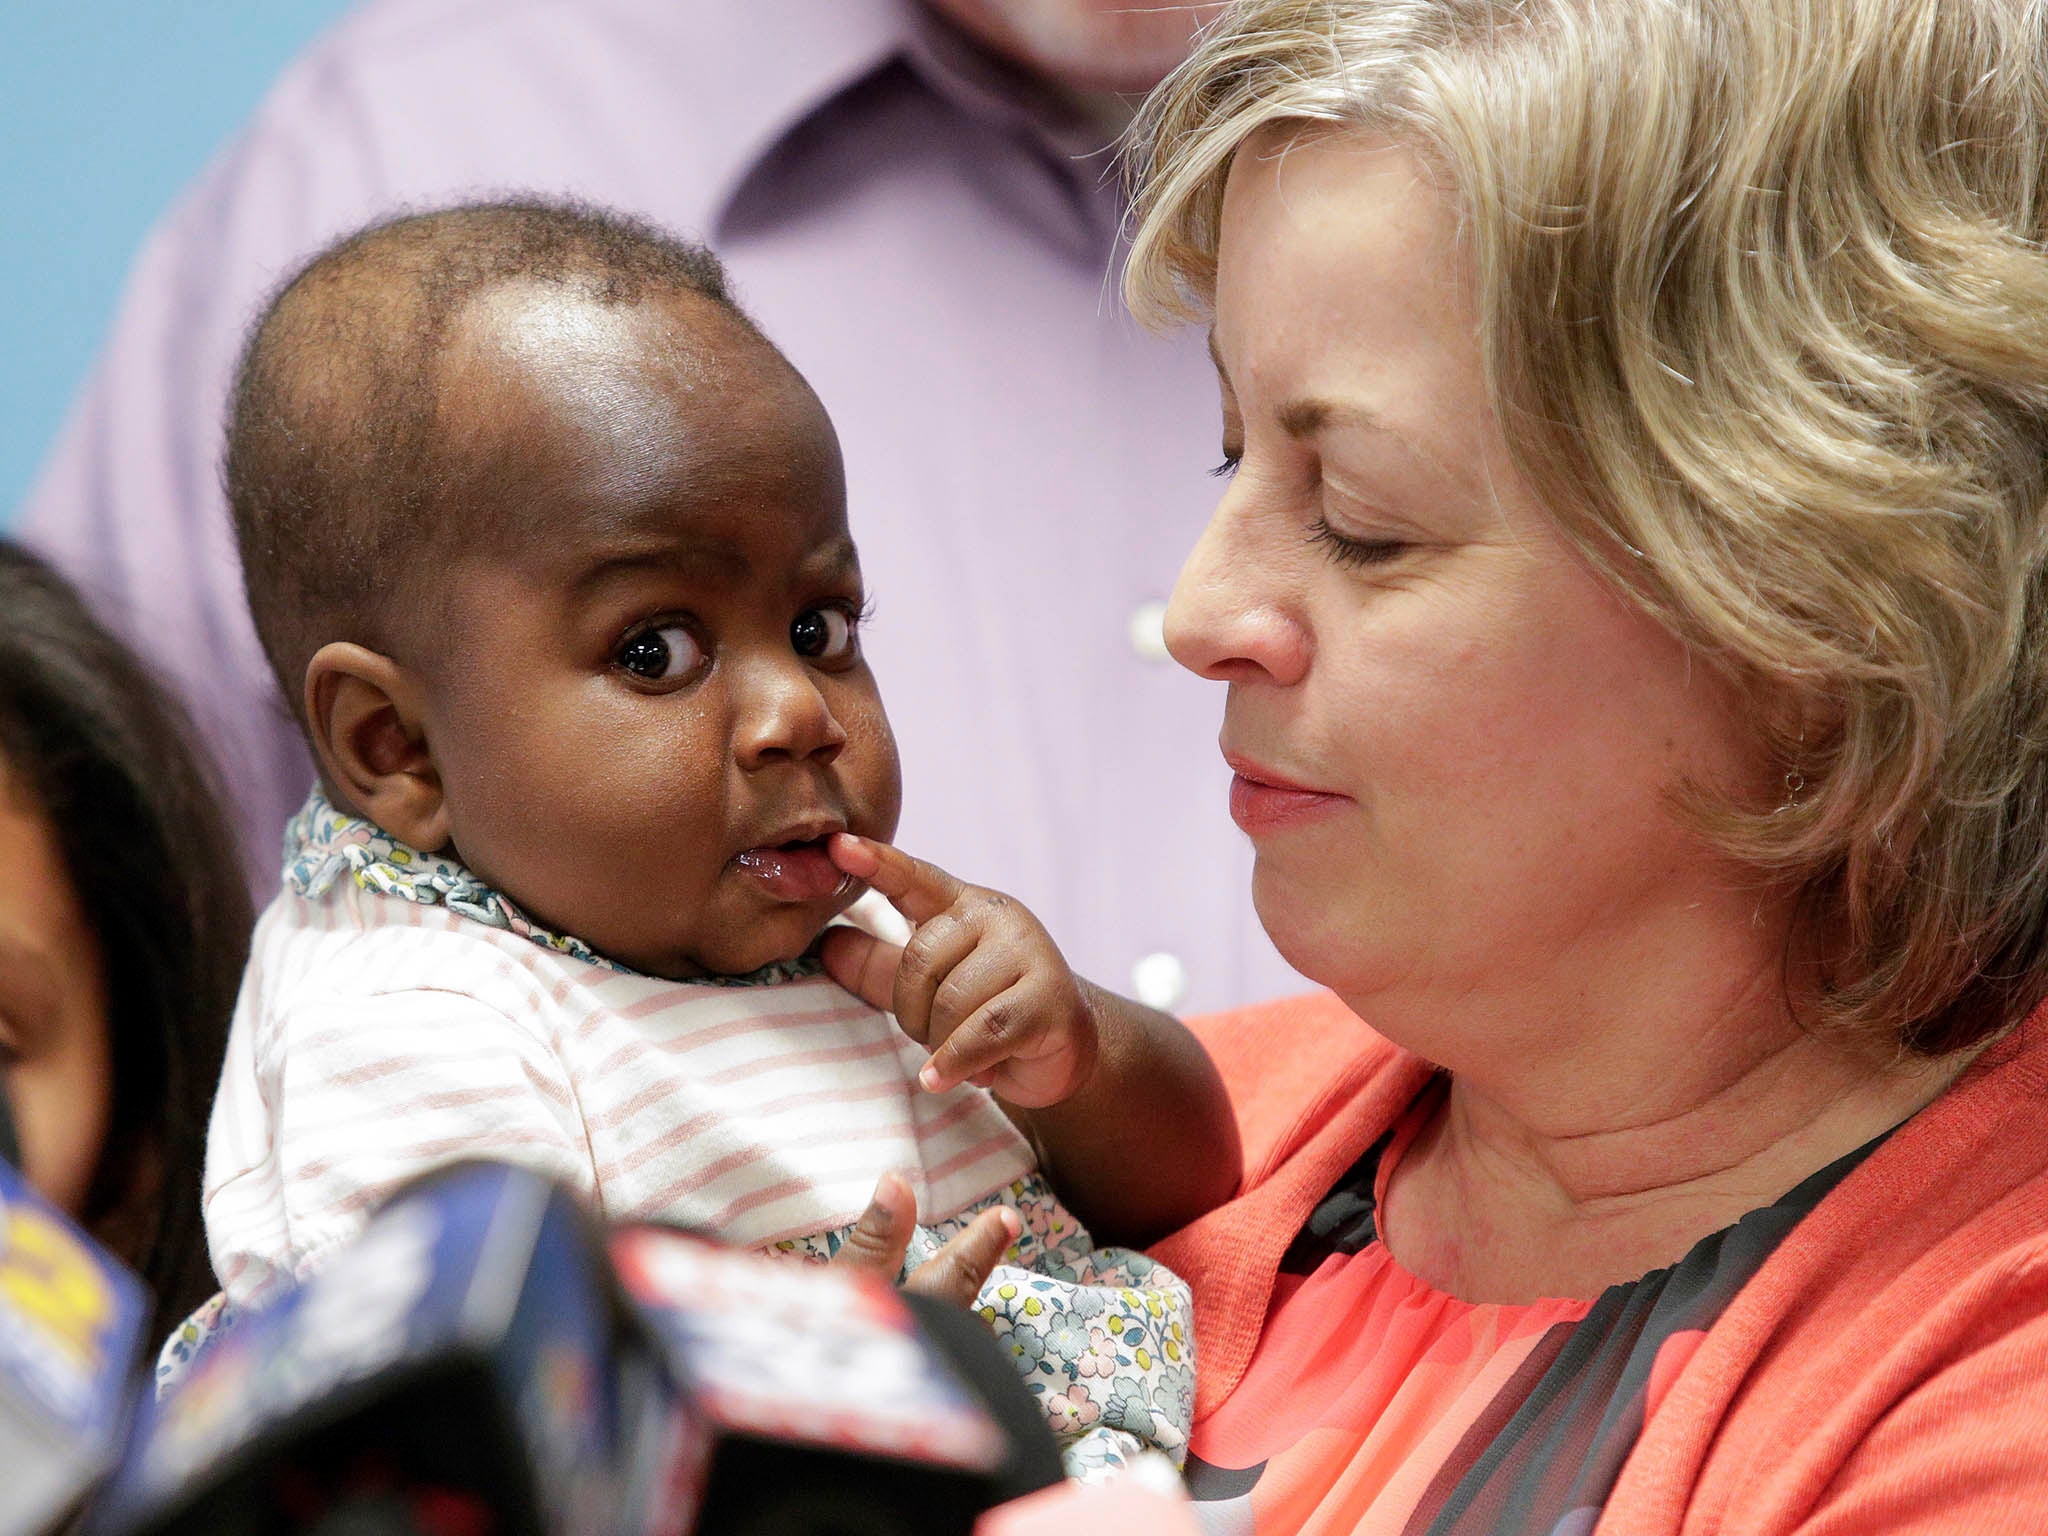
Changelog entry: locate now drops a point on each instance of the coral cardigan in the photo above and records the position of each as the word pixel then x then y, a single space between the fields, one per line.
pixel 1885 1371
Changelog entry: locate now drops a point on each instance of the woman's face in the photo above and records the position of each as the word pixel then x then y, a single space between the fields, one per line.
pixel 53 1006
pixel 1454 745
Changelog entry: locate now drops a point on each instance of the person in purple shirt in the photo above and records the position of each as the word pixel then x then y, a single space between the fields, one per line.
pixel 917 201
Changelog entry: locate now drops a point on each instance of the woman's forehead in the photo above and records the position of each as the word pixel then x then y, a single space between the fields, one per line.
pixel 1341 302
pixel 1327 233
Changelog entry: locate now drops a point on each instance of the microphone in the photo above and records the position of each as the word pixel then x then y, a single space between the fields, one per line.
pixel 462 1368
pixel 824 1400
pixel 473 1365
pixel 71 1326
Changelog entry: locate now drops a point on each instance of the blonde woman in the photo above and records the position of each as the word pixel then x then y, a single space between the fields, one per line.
pixel 1630 588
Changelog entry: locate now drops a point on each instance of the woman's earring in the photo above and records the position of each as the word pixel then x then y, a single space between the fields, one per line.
pixel 1795 781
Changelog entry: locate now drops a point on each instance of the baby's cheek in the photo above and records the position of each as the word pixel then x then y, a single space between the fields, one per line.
pixel 869 767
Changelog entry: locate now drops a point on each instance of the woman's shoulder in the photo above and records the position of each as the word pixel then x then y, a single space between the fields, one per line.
pixel 1891 1352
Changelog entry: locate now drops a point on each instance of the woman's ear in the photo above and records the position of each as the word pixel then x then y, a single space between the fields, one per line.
pixel 367 718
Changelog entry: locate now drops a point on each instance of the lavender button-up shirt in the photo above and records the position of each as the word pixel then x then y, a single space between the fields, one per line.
pixel 928 239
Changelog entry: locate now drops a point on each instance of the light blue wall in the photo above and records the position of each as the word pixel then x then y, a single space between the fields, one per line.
pixel 107 109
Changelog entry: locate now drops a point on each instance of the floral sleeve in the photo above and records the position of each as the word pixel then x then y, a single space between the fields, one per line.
pixel 1103 1337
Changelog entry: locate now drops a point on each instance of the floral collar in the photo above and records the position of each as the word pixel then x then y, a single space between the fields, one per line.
pixel 321 843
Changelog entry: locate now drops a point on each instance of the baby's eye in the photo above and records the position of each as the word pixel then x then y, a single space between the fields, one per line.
pixel 823 634
pixel 660 655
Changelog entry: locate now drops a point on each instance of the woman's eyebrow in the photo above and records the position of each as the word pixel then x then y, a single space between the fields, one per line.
pixel 1306 417
pixel 1311 414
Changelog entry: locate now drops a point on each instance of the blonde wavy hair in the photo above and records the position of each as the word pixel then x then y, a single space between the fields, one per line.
pixel 1765 319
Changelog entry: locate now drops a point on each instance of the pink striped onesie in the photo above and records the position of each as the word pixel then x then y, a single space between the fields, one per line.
pixel 398 1015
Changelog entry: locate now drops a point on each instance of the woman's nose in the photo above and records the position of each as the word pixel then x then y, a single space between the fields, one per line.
pixel 786 718
pixel 1233 617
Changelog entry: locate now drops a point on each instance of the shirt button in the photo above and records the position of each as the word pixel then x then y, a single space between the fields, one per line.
pixel 1148 631
pixel 1159 981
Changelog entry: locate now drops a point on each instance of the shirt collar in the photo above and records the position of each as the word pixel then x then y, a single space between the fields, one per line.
pixel 781 63
pixel 788 62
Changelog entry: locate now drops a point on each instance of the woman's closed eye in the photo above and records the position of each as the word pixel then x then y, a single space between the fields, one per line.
pixel 661 654
pixel 1346 550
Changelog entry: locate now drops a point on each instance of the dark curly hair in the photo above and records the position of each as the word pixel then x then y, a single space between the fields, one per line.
pixel 112 762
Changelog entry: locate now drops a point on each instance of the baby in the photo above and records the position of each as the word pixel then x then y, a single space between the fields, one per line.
pixel 548 547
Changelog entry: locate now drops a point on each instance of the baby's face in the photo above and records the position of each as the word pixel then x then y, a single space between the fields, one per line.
pixel 650 709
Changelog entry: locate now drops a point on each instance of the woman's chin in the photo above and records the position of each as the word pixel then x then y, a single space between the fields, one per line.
pixel 1308 925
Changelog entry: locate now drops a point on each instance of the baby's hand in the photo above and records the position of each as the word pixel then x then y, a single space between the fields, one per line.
pixel 956 1273
pixel 980 983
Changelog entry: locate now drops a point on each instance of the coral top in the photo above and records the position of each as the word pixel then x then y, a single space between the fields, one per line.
pixel 1364 1381
pixel 1870 1354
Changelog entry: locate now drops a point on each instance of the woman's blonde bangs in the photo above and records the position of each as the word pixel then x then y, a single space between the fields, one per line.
pixel 1767 327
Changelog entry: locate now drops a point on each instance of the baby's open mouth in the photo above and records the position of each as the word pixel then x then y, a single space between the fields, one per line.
pixel 795 871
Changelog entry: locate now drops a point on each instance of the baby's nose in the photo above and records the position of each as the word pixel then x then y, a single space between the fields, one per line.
pixel 787 718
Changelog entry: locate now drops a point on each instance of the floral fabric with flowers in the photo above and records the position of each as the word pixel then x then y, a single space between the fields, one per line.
pixel 1103 1337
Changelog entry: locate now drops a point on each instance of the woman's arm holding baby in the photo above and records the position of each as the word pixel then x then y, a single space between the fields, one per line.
pixel 1128 1115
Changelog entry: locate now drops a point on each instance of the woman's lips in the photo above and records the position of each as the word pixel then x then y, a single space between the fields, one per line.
pixel 793 872
pixel 1263 801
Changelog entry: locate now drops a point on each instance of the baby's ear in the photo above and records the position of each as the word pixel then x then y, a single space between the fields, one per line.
pixel 367 718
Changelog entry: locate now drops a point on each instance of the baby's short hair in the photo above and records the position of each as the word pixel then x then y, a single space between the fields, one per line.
pixel 331 463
